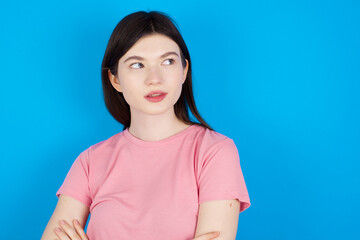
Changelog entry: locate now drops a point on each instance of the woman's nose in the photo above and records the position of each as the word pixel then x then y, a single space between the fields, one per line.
pixel 153 76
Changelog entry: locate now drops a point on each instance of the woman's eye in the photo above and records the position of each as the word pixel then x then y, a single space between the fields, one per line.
pixel 140 65
pixel 134 64
pixel 171 60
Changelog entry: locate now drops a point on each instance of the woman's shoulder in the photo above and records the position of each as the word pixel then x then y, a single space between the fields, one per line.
pixel 106 144
pixel 210 137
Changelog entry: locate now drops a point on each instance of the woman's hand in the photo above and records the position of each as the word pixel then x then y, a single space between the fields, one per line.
pixel 208 236
pixel 67 232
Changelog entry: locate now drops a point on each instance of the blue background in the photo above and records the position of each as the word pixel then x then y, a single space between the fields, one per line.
pixel 281 78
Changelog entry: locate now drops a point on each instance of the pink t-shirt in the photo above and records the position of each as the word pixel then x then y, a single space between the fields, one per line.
pixel 139 189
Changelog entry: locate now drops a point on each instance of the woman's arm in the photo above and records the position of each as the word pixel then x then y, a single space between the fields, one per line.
pixel 67 209
pixel 219 215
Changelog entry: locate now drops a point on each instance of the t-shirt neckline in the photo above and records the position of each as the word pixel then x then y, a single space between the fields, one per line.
pixel 143 143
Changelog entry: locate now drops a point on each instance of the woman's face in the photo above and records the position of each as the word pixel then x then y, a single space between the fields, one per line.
pixel 153 63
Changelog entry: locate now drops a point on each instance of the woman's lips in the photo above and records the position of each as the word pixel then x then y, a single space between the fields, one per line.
pixel 156 98
pixel 155 92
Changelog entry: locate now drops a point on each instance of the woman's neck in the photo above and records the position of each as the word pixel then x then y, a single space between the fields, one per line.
pixel 155 128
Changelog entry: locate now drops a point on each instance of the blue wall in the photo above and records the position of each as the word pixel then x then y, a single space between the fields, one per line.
pixel 282 77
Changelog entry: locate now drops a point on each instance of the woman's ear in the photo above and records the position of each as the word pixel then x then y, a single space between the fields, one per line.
pixel 114 81
pixel 185 70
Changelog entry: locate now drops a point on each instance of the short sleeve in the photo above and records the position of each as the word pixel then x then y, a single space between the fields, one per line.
pixel 76 183
pixel 221 176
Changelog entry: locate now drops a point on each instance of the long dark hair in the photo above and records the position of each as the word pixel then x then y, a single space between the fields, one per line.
pixel 127 32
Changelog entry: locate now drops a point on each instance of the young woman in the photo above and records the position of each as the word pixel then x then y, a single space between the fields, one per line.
pixel 164 176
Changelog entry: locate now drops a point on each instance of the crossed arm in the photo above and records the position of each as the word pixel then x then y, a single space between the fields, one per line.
pixel 217 215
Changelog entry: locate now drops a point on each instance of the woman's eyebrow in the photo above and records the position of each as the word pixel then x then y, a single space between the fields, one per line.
pixel 141 58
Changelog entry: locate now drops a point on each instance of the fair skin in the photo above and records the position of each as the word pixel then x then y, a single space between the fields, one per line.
pixel 135 78
pixel 149 122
